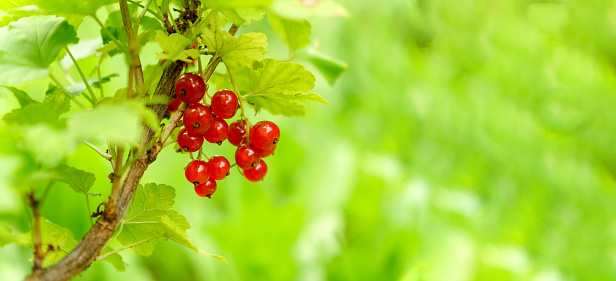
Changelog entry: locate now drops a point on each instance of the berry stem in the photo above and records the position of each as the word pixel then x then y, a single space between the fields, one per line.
pixel 83 77
pixel 239 96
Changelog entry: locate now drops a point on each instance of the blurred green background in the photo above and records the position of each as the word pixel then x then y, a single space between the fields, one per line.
pixel 468 140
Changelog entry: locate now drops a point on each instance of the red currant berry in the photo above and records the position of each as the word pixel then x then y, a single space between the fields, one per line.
pixel 224 104
pixel 218 167
pixel 247 156
pixel 174 105
pixel 188 142
pixel 206 189
pixel 256 174
pixel 237 130
pixel 197 171
pixel 265 153
pixel 190 88
pixel 264 135
pixel 197 118
pixel 218 132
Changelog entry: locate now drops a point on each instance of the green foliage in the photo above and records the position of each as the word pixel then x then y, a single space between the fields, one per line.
pixel 30 45
pixel 83 7
pixel 174 47
pixel 80 181
pixel 235 51
pixel 295 33
pixel 150 219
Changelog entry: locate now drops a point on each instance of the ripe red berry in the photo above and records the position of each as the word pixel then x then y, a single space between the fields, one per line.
pixel 190 88
pixel 265 153
pixel 197 171
pixel 218 132
pixel 256 174
pixel 206 189
pixel 174 105
pixel 247 156
pixel 218 167
pixel 197 118
pixel 264 135
pixel 224 104
pixel 188 142
pixel 237 130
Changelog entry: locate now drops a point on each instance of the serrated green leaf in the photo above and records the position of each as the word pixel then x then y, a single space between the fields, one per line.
pixel 235 51
pixel 295 33
pixel 30 45
pixel 16 9
pixel 280 77
pixel 33 113
pixel 297 10
pixel 331 68
pixel 57 99
pixel 56 240
pixel 176 232
pixel 82 7
pixel 114 259
pixel 22 97
pixel 174 47
pixel 150 202
pixel 243 16
pixel 80 181
pixel 283 104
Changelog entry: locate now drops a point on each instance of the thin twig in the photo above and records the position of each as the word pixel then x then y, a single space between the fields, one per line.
pixel 99 151
pixel 133 48
pixel 83 77
pixel 36 232
pixel 121 46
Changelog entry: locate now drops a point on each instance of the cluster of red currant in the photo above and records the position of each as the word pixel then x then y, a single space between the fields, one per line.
pixel 203 122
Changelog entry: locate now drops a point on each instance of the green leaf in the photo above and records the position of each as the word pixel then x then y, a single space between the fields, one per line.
pixel 331 68
pixel 273 77
pixel 243 16
pixel 296 10
pixel 21 96
pixel 283 104
pixel 120 122
pixel 235 51
pixel 295 33
pixel 29 45
pixel 56 240
pixel 174 47
pixel 16 9
pixel 57 99
pixel 176 232
pixel 82 7
pixel 79 87
pixel 114 259
pixel 237 3
pixel 33 113
pixel 80 181
pixel 7 236
pixel 277 87
pixel 150 202
pixel 58 144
